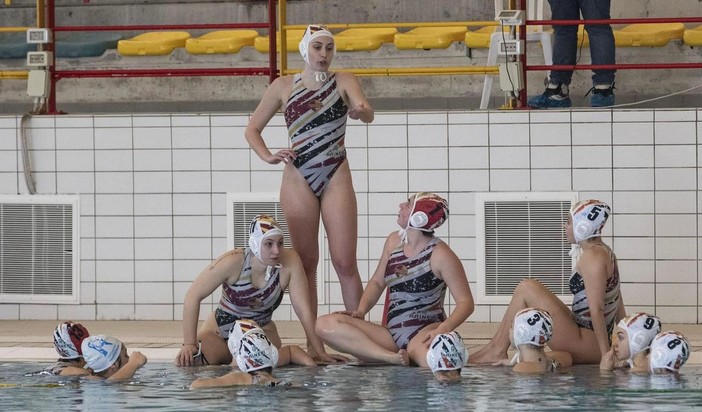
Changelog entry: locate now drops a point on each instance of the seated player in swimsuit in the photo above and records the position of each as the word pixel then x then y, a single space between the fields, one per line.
pixel 253 281
pixel 68 337
pixel 531 330
pixel 317 181
pixel 417 268
pixel 255 357
pixel 631 343
pixel 584 331
pixel 106 358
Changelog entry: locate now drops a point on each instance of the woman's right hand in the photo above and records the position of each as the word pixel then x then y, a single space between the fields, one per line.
pixel 607 361
pixel 353 314
pixel 284 155
pixel 186 356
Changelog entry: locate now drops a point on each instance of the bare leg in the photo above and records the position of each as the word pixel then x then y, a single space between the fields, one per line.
pixel 272 334
pixel 214 347
pixel 301 208
pixel 360 338
pixel 340 217
pixel 529 293
pixel 417 347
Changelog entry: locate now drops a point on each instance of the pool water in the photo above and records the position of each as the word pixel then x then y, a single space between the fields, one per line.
pixel 163 386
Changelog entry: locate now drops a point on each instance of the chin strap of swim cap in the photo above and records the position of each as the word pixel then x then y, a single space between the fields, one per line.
pixel 575 252
pixel 271 270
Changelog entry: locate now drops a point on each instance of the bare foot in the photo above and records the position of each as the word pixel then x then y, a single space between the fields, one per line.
pixel 487 357
pixel 400 358
pixel 404 357
pixel 447 376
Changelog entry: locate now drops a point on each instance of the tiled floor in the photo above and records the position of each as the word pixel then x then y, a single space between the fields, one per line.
pixel 161 340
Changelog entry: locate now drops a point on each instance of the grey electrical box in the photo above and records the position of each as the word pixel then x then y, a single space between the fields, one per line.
pixel 38 83
pixel 511 79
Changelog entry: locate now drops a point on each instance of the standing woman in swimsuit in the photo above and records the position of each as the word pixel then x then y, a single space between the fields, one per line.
pixel 585 331
pixel 316 176
pixel 417 268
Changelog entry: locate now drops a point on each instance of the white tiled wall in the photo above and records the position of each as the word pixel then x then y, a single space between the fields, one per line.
pixel 152 192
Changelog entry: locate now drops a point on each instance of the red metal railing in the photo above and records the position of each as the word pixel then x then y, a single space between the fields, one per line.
pixel 622 66
pixel 55 74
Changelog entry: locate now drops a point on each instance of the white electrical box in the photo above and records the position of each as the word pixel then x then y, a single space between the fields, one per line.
pixel 511 79
pixel 511 17
pixel 510 47
pixel 38 83
pixel 38 36
pixel 39 59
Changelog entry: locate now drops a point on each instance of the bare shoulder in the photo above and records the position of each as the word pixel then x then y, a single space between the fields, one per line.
pixel 443 251
pixel 345 79
pixel 392 241
pixel 344 76
pixel 596 255
pixel 230 258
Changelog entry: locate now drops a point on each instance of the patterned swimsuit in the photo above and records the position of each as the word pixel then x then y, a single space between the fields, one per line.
pixel 316 122
pixel 243 301
pixel 581 307
pixel 416 294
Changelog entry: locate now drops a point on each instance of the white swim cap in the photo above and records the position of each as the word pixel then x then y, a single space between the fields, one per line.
pixel 669 350
pixel 261 228
pixel 312 32
pixel 256 352
pixel 641 328
pixel 428 212
pixel 100 352
pixel 68 337
pixel 239 329
pixel 589 218
pixel 447 352
pixel 532 327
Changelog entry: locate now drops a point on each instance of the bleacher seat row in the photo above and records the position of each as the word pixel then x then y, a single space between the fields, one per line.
pixel 13 45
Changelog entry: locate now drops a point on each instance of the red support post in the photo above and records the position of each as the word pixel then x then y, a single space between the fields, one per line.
pixel 523 57
pixel 51 25
pixel 272 48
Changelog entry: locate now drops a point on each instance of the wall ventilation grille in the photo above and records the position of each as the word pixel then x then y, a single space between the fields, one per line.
pixel 521 236
pixel 39 249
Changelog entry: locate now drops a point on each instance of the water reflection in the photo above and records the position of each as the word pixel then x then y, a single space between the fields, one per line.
pixel 345 387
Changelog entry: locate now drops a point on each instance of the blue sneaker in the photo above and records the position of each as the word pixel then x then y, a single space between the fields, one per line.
pixel 555 95
pixel 602 95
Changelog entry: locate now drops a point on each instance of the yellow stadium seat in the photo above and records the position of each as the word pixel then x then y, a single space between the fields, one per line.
pixel 221 42
pixel 641 35
pixel 429 37
pixel 480 39
pixel 693 37
pixel 650 35
pixel 293 38
pixel 364 39
pixel 157 43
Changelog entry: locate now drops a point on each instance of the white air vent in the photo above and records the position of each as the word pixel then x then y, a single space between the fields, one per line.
pixel 243 207
pixel 518 236
pixel 39 249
